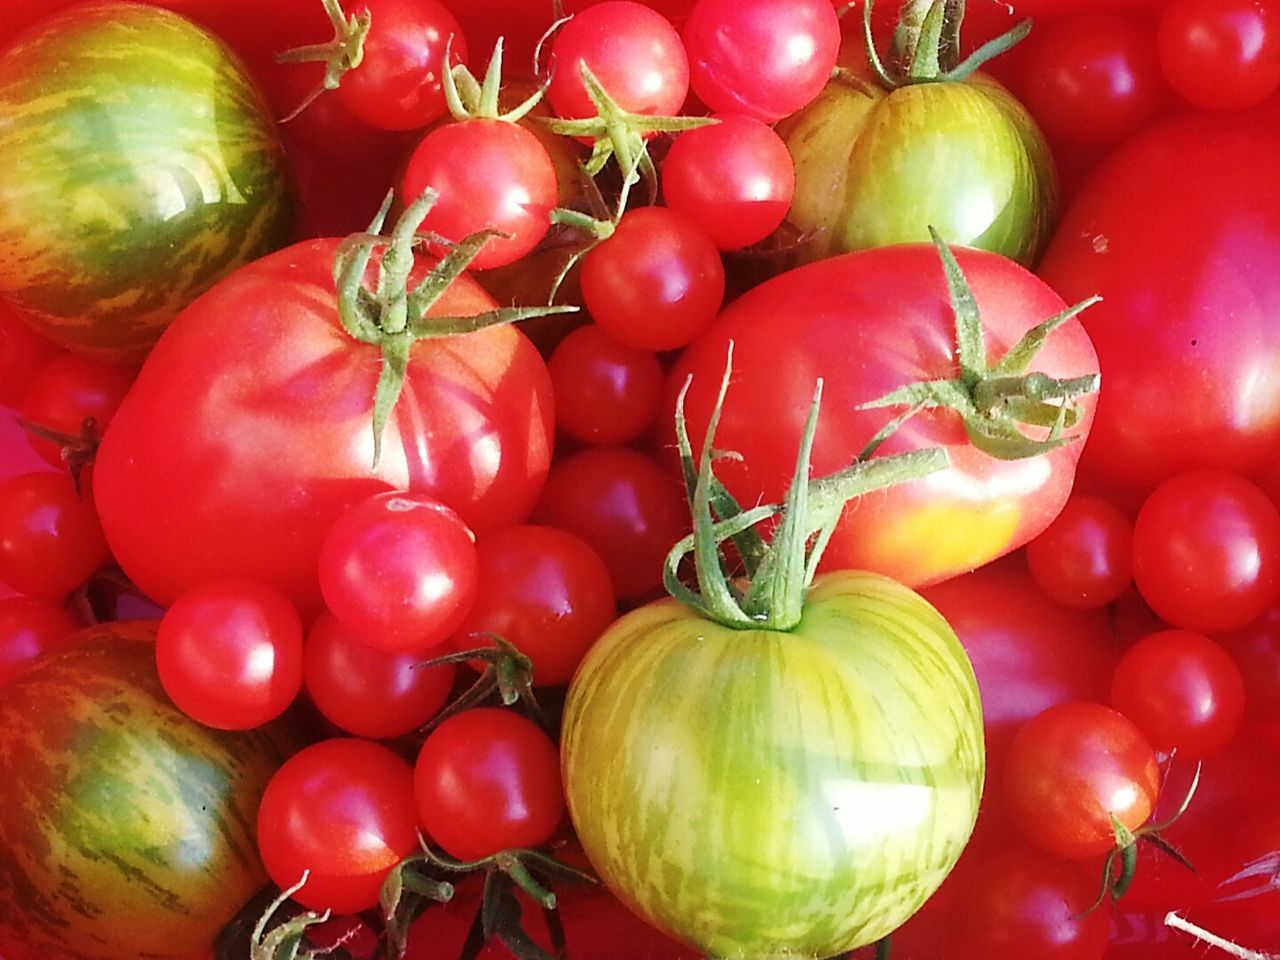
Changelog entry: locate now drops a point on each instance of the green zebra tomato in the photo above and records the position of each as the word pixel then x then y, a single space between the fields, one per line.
pixel 760 793
pixel 141 165
pixel 127 829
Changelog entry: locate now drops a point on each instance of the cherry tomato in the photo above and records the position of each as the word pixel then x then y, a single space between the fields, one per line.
pixel 50 537
pixel 23 352
pixel 341 811
pixel 399 570
pixel 606 391
pixel 1256 651
pixel 487 780
pixel 1070 770
pixel 29 627
pixel 1084 558
pixel 1221 54
pixel 66 393
pixel 229 653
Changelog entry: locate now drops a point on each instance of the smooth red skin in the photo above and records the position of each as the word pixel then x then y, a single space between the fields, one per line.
pixel 398 85
pixel 868 323
pixel 50 537
pixel 1073 767
pixel 1182 690
pixel 1091 78
pixel 211 647
pixel 256 471
pixel 69 389
pixel 763 58
pixel 399 570
pixel 1221 54
pixel 606 391
pixel 490 175
pixel 1179 231
pixel 343 809
pixel 23 353
pixel 544 590
pixel 1084 559
pixel 625 506
pixel 28 628
pixel 487 780
pixel 16 453
pixel 368 692
pixel 656 283
pixel 326 134
pixel 735 178
pixel 634 52
pixel 1028 652
pixel 1256 651
pixel 1206 551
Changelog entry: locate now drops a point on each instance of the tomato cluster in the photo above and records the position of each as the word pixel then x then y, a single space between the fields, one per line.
pixel 639 479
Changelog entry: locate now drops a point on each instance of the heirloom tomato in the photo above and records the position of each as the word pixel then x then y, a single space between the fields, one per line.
pixel 126 829
pixel 1179 231
pixel 869 323
pixel 142 166
pixel 249 430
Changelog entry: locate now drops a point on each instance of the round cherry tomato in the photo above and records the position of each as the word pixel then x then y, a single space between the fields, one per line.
pixel 50 537
pixel 23 353
pixel 66 393
pixel 341 813
pixel 1256 651
pixel 29 627
pixel 1084 558
pixel 606 391
pixel 487 780
pixel 1221 54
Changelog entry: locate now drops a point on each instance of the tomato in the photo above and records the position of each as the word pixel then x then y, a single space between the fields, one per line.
pixel 126 828
pixel 1206 551
pixel 868 323
pixel 341 811
pixel 143 166
pixel 64 394
pixel 229 653
pixel 1071 771
pixel 606 391
pixel 1256 651
pixel 51 538
pixel 255 474
pixel 769 793
pixel 876 167
pixel 1179 231
pixel 1084 558
pixel 23 352
pixel 1221 55
pixel 487 780
pixel 29 627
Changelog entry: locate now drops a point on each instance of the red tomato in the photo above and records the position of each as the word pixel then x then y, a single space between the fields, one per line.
pixel 65 393
pixel 23 353
pixel 1221 54
pixel 1256 651
pixel 866 324
pixel 50 536
pixel 1085 557
pixel 29 627
pixel 248 478
pixel 606 391
pixel 1179 231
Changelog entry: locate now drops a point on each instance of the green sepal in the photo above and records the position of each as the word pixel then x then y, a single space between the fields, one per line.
pixel 340 55
pixel 926 44
pixel 285 940
pixel 507 672
pixel 407 891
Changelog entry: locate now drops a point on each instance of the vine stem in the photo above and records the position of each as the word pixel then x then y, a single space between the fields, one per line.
pixel 1176 922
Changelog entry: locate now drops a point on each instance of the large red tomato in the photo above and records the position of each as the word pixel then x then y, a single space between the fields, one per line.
pixel 249 430
pixel 868 323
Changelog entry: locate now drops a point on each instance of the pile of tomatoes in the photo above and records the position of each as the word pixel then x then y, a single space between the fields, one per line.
pixel 639 480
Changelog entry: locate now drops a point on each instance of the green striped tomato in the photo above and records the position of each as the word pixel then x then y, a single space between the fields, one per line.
pixel 126 829
pixel 761 794
pixel 140 166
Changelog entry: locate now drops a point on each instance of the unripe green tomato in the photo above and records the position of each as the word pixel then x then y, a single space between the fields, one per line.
pixel 876 167
pixel 761 794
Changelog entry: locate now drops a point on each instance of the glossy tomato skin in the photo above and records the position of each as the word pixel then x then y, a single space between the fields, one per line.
pixel 875 168
pixel 257 469
pixel 143 166
pixel 776 794
pixel 868 323
pixel 1179 231
pixel 126 828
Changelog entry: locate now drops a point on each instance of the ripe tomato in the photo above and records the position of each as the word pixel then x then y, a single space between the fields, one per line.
pixel 248 478
pixel 29 627
pixel 50 536
pixel 606 391
pixel 1223 54
pixel 1084 558
pixel 868 323
pixel 64 393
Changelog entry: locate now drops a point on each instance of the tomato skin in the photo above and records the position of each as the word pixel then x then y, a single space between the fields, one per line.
pixel 1221 55
pixel 120 809
pixel 1178 230
pixel 1084 559
pixel 259 469
pixel 29 627
pixel 866 714
pixel 875 168
pixel 868 323
pixel 67 390
pixel 51 538
pixel 175 182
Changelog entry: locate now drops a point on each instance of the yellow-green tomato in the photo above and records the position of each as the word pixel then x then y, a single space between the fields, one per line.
pixel 876 167
pixel 761 794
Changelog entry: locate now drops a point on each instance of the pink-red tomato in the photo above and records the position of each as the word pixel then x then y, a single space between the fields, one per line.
pixel 340 812
pixel 606 391
pixel 1221 54
pixel 69 390
pixel 51 540
pixel 1084 558
pixel 229 653
pixel 241 471
pixel 545 591
pixel 23 353
pixel 1256 651
pixel 488 780
pixel 1182 690
pixel 1206 551
pixel 735 178
pixel 28 628
pixel 399 570
pixel 1073 768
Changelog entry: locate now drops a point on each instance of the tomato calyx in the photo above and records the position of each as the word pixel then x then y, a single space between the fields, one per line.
pixel 770 592
pixel 285 940
pixel 506 671
pixel 926 43
pixel 469 99
pixel 409 887
pixel 343 53
pixel 997 400
pixel 77 450
pixel 391 315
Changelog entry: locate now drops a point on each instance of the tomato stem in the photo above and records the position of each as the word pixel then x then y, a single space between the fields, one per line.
pixel 343 53
pixel 926 44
